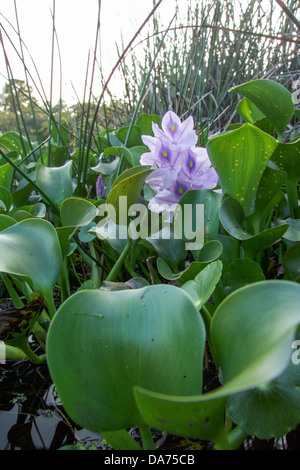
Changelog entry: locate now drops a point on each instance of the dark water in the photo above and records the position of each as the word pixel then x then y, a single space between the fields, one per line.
pixel 31 415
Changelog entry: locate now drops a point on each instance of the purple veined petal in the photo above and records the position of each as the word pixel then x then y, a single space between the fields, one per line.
pixel 148 158
pixel 163 201
pixel 100 189
pixel 207 180
pixel 171 124
pixel 162 178
pixel 158 133
pixel 150 141
pixel 166 154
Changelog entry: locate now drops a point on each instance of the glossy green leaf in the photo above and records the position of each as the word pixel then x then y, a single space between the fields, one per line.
pixel 201 288
pixel 12 142
pixel 252 331
pixel 31 249
pixel 119 340
pixel 59 154
pixel 293 232
pixel 129 185
pixel 240 158
pixel 291 262
pixel 211 202
pixel 135 137
pixel 5 199
pixel 106 168
pixel 272 410
pixel 268 195
pixel 211 251
pixel 241 272
pixel 6 221
pixel 6 175
pixel 77 212
pixel 144 122
pixel 248 111
pixel 56 182
pixel 233 220
pixel 271 98
pixel 171 249
pixel 23 191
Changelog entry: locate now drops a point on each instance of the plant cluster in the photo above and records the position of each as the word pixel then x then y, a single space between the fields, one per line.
pixel 129 346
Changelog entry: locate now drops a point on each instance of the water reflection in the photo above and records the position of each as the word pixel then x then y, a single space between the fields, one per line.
pixel 31 415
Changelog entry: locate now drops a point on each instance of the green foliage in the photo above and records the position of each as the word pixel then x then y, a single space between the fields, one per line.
pixel 138 316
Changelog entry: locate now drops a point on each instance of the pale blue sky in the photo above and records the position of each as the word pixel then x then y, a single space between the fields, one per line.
pixel 76 22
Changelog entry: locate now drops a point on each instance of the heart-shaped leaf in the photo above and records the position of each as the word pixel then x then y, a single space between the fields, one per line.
pixel 77 212
pixel 252 331
pixel 31 249
pixel 56 182
pixel 241 272
pixel 240 158
pixel 271 98
pixel 119 340
pixel 260 411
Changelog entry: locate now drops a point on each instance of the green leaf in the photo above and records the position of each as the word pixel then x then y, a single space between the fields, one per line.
pixel 291 262
pixel 268 195
pixel 129 184
pixel 6 175
pixel 144 122
pixel 240 158
pixel 77 212
pixel 260 411
pixel 59 154
pixel 233 220
pixel 271 98
pixel 12 142
pixel 119 340
pixel 5 199
pixel 167 246
pixel 248 111
pixel 55 182
pixel 135 137
pixel 31 249
pixel 252 331
pixel 287 157
pixel 210 252
pixel 202 287
pixel 211 202
pixel 107 168
pixel 241 272
pixel 6 221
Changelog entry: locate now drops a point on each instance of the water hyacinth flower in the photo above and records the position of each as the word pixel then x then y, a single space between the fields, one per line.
pixel 100 189
pixel 179 165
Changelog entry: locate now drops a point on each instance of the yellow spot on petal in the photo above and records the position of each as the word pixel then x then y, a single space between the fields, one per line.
pixel 191 164
pixel 181 190
pixel 165 154
pixel 172 127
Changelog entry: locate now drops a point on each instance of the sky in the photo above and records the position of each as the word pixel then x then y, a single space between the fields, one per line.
pixel 76 26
